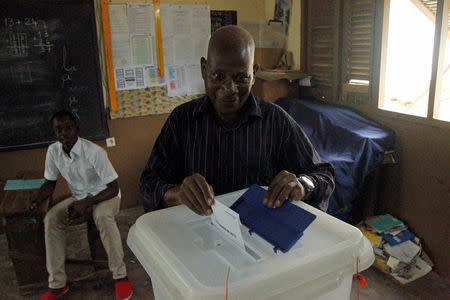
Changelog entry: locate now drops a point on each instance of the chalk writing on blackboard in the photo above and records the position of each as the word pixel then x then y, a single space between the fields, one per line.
pixel 48 62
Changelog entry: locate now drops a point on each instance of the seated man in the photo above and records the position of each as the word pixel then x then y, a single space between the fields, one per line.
pixel 229 139
pixel 93 182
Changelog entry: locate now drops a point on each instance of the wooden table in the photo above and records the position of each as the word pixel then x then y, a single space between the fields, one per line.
pixel 26 242
pixel 25 234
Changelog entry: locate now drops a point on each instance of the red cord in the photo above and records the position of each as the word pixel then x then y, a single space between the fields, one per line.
pixel 228 275
pixel 357 274
pixel 360 280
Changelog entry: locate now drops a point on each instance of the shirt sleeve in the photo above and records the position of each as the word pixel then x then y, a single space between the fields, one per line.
pixel 299 156
pixel 103 166
pixel 51 171
pixel 162 171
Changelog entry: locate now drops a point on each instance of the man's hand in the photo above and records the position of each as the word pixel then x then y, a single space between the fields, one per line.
pixel 34 205
pixel 284 186
pixel 45 191
pixel 78 208
pixel 195 193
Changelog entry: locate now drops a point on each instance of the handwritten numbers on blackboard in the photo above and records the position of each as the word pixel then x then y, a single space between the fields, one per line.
pixel 48 62
pixel 27 34
pixel 8 22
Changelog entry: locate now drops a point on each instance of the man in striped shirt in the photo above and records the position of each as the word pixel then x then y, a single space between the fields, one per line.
pixel 229 139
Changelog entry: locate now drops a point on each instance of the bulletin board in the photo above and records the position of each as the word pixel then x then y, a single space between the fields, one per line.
pixel 185 31
pixel 148 101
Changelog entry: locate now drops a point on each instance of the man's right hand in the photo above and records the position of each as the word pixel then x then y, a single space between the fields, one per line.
pixel 33 205
pixel 195 193
pixel 45 191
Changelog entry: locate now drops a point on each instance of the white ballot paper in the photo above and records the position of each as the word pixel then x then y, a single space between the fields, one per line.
pixel 228 222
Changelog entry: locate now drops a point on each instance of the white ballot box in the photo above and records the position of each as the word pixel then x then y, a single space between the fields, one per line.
pixel 188 258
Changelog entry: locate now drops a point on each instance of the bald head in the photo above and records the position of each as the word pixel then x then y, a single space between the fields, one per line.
pixel 229 70
pixel 231 39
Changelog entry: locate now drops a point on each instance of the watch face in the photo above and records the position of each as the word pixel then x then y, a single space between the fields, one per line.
pixel 308 184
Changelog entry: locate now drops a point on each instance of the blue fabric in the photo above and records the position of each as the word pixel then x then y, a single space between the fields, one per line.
pixel 282 227
pixel 352 143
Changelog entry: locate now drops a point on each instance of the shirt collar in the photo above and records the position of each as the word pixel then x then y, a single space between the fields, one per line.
pixel 76 149
pixel 250 108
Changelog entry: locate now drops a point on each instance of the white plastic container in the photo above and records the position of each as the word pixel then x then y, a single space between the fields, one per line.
pixel 188 258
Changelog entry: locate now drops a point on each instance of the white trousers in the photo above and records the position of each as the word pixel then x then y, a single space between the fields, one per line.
pixel 55 239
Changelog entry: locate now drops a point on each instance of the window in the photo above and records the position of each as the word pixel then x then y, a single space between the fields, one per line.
pixel 415 62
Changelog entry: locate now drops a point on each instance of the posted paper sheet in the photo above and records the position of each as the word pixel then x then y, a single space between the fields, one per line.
pixel 141 18
pixel 120 38
pixel 152 78
pixel 129 78
pixel 186 30
pixel 176 81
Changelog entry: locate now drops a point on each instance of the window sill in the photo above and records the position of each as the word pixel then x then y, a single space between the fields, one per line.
pixel 422 121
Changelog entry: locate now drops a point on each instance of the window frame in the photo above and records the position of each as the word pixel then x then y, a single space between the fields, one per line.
pixel 379 65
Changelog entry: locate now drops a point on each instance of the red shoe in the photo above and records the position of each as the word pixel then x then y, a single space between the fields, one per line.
pixel 123 289
pixel 50 296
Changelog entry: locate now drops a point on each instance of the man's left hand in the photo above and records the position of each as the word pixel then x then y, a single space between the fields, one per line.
pixel 285 186
pixel 78 208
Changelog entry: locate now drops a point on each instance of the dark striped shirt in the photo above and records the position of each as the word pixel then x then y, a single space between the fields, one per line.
pixel 262 142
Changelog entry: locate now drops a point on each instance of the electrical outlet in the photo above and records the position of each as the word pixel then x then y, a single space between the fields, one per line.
pixel 110 142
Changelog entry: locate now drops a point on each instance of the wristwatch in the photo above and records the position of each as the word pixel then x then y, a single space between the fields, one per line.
pixel 307 184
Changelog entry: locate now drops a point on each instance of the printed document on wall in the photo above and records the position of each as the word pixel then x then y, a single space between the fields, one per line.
pixel 120 38
pixel 141 18
pixel 168 51
pixel 166 20
pixel 142 46
pixel 201 20
pixel 181 16
pixel 133 45
pixel 152 78
pixel 129 78
pixel 176 81
pixel 186 30
pixel 195 84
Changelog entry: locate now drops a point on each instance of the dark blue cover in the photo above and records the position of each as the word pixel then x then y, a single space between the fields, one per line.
pixel 401 237
pixel 352 143
pixel 282 227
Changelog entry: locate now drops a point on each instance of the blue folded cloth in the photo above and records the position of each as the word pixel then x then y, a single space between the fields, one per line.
pixel 282 227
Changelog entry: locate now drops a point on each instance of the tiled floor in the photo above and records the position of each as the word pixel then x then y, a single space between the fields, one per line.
pixel 379 286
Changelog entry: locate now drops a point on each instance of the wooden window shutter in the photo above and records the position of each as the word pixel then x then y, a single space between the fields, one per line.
pixel 357 50
pixel 322 50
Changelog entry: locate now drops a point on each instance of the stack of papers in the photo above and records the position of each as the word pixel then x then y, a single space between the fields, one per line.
pixel 404 252
pixel 385 224
pixel 397 250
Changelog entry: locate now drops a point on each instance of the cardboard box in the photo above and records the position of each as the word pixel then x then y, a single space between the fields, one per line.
pixel 272 90
pixel 268 58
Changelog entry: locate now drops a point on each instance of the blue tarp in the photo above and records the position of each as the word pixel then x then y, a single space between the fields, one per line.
pixel 352 143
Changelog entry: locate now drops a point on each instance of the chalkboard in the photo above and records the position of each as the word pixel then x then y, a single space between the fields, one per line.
pixel 48 62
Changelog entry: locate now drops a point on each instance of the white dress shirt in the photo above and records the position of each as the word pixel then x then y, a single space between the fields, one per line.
pixel 87 170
